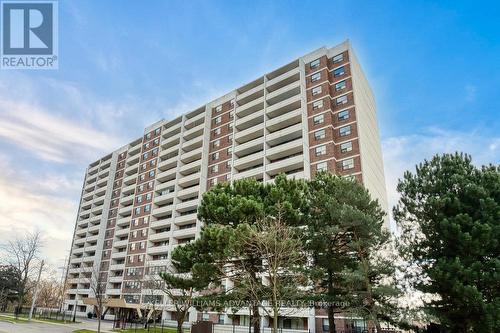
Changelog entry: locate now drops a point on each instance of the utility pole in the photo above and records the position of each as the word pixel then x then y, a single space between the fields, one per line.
pixel 36 291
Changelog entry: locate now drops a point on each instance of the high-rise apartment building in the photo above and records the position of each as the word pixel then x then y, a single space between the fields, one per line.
pixel 139 202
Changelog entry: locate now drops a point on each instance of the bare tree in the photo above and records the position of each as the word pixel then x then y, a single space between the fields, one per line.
pixel 97 283
pixel 280 248
pixel 154 285
pixel 23 256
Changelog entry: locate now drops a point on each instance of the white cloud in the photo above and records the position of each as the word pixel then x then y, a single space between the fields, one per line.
pixel 402 153
pixel 28 204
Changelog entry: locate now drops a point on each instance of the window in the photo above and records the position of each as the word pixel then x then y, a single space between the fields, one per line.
pixel 137 210
pixel 321 150
pixel 205 317
pixel 148 136
pixel 229 151
pixel 321 167
pixel 142 245
pixel 341 100
pixel 317 105
pixel 132 246
pixel 319 119
pixel 346 130
pixel 215 156
pixel 216 143
pixel 326 326
pixel 218 108
pixel 338 58
pixel 346 147
pixel 339 72
pixel 151 173
pixel 217 131
pixel 144 231
pixel 142 177
pixel 230 126
pixel 318 135
pixel 317 90
pixel 231 102
pixel 145 156
pixel 155 151
pixel 157 141
pixel 215 168
pixel 147 208
pixel 343 115
pixel 348 164
pixel 213 181
pixel 315 77
pixel 140 258
pixel 131 259
pixel 314 64
pixel 218 120
pixel 228 165
pixel 157 131
pixel 147 145
pixel 148 196
pixel 139 199
pixel 340 85
pixel 152 162
pixel 231 115
pixel 220 319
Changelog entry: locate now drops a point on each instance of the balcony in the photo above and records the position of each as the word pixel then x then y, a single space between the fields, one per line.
pixel 249 161
pixel 166 175
pixel 164 198
pixel 249 134
pixel 249 147
pixel 117 267
pixel 129 180
pixel 163 186
pixel 118 255
pixel 188 205
pixel 285 106
pixel 250 108
pixel 158 237
pixel 131 169
pixel 171 130
pixel 160 224
pixel 285 165
pixel 284 135
pixel 284 93
pixel 169 163
pixel 185 233
pixel 290 148
pixel 190 168
pixel 285 120
pixel 135 148
pixel 195 120
pixel 250 120
pixel 192 144
pixel 192 155
pixel 162 211
pixel 120 244
pixel 127 200
pixel 125 211
pixel 257 173
pixel 121 232
pixel 194 132
pixel 134 159
pixel 256 91
pixel 158 250
pixel 128 190
pixel 283 79
pixel 186 219
pixel 123 221
pixel 190 180
pixel 188 192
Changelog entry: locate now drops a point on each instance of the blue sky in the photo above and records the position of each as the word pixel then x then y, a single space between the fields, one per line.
pixel 434 68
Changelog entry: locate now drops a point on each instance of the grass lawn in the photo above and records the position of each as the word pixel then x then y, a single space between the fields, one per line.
pixel 84 331
pixel 12 319
pixel 23 318
pixel 151 330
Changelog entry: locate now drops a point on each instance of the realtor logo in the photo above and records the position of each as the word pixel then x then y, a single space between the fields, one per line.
pixel 29 34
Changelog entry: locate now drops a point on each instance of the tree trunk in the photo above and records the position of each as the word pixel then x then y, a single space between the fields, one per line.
pixel 255 318
pixel 331 319
pixel 377 325
pixel 180 321
pixel 99 324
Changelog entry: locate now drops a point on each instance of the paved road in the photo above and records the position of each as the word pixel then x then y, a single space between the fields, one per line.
pixel 37 327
